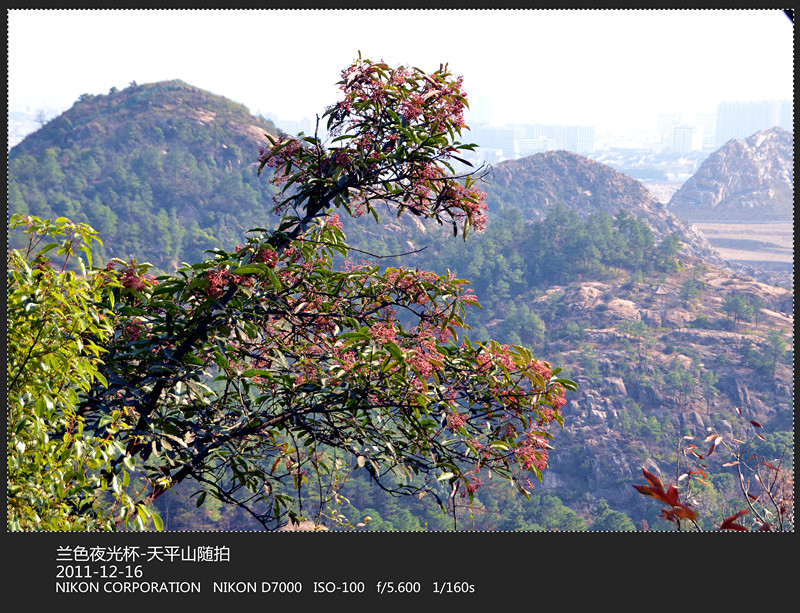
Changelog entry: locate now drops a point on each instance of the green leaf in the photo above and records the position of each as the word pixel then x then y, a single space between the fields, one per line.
pixel 256 372
pixel 396 352
pixel 49 247
pixel 273 278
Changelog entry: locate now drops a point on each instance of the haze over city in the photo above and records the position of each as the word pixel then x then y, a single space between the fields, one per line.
pixel 616 70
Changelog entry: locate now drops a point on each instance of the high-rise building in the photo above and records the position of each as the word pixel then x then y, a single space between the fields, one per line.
pixel 708 123
pixel 578 139
pixel 742 119
pixel 666 128
pixel 497 137
pixel 520 140
pixel 530 146
pixel 687 138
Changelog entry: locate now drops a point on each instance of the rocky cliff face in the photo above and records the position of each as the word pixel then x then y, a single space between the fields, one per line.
pixel 627 415
pixel 750 180
pixel 536 182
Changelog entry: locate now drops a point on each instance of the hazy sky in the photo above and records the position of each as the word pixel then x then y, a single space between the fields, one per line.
pixel 614 69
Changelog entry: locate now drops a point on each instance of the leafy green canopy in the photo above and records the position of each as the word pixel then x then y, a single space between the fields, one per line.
pixel 267 374
pixel 58 476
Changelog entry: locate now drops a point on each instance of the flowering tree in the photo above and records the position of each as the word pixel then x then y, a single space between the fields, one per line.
pixel 266 374
pixel 394 136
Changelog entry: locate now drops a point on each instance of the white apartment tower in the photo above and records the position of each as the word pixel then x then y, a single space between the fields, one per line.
pixel 742 119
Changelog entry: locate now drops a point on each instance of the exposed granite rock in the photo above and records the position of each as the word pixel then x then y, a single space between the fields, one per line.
pixel 750 180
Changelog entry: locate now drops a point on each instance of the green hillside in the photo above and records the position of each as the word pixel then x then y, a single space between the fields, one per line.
pixel 164 171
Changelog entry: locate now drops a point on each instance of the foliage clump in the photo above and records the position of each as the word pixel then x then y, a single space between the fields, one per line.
pixel 58 466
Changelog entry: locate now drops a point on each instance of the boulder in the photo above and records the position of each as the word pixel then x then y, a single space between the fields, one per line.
pixel 616 386
pixel 650 465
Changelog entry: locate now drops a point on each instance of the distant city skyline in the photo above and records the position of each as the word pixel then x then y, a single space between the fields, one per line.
pixel 615 70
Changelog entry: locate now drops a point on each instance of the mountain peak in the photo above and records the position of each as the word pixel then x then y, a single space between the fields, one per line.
pixel 745 180
pixel 536 182
pixel 163 170
pixel 123 112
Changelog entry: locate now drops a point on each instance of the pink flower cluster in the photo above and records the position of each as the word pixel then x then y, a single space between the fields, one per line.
pixel 498 354
pixel 217 281
pixel 531 455
pixel 133 330
pixel 333 220
pixel 130 278
pixel 466 203
pixel 384 332
pixel 420 363
pixel 447 103
pixel 541 368
pixel 556 397
pixel 411 107
pixel 267 256
pixel 420 356
pixel 456 420
pixel 347 359
pixel 283 150
pixel 473 484
pixel 358 82
pixel 411 282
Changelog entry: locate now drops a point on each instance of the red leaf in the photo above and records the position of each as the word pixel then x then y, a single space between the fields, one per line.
pixel 733 526
pixel 682 511
pixel 730 522
pixel 658 488
pixel 672 496
pixel 765 528
pixel 274 466
pixel 668 515
pixel 645 490
pixel 755 423
pixel 654 481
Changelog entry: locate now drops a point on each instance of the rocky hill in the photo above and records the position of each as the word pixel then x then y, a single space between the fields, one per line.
pixel 654 367
pixel 535 183
pixel 163 170
pixel 748 180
